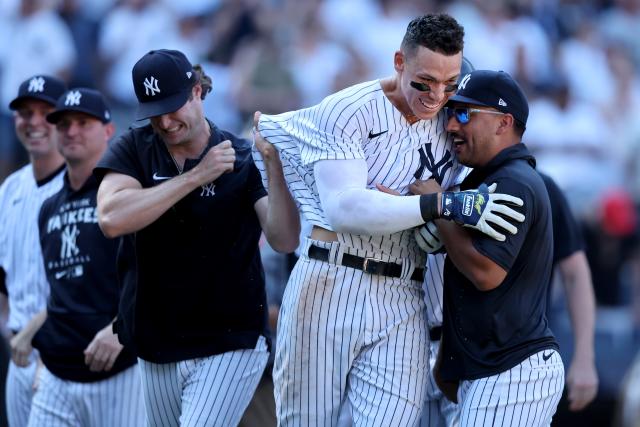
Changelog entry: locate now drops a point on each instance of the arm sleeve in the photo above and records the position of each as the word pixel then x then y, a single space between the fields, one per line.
pixel 351 208
pixel 120 157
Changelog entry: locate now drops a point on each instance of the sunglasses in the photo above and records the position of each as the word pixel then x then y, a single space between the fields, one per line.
pixel 463 114
pixel 425 87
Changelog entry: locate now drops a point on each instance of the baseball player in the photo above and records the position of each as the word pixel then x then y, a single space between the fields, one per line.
pixel 352 323
pixel 21 195
pixel 194 200
pixel 88 379
pixel 498 358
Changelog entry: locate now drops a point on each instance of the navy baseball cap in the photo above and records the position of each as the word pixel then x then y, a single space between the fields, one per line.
pixel 495 89
pixel 42 87
pixel 82 100
pixel 163 80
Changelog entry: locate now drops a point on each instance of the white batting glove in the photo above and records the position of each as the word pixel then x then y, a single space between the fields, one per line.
pixel 428 238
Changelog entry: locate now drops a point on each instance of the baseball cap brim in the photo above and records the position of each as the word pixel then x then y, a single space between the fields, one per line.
pixel 55 116
pixel 15 104
pixel 466 100
pixel 167 105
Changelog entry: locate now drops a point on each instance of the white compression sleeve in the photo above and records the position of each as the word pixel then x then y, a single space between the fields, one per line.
pixel 351 208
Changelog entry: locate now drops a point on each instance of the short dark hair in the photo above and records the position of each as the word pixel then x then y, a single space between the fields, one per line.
pixel 518 127
pixel 437 32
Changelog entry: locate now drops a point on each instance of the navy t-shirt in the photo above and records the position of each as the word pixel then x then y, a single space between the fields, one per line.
pixel 80 264
pixel 488 332
pixel 198 276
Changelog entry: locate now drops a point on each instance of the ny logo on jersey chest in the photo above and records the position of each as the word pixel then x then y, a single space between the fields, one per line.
pixel 427 161
pixel 69 247
pixel 208 190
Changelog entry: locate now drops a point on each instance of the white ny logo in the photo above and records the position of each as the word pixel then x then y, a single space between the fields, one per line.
pixel 73 98
pixel 464 81
pixel 36 84
pixel 151 85
pixel 69 247
pixel 208 190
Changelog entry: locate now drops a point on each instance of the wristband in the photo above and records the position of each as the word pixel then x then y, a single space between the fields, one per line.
pixel 429 206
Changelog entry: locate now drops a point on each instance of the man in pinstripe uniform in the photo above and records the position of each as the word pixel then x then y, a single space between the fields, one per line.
pixel 21 195
pixel 193 197
pixel 352 323
pixel 88 379
pixel 498 357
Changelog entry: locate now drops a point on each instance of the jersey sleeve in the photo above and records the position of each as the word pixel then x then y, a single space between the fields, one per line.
pixel 331 130
pixel 567 236
pixel 120 157
pixel 505 253
pixel 244 159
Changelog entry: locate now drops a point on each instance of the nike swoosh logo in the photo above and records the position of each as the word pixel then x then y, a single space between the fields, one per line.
pixel 160 178
pixel 60 274
pixel 546 357
pixel 375 135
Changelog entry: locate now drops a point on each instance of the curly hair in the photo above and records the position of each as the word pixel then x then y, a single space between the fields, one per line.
pixel 203 79
pixel 437 32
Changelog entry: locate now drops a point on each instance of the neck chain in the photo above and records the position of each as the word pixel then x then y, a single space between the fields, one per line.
pixel 176 163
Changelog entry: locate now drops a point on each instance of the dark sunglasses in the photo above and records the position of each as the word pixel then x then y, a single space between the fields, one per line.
pixel 463 114
pixel 425 87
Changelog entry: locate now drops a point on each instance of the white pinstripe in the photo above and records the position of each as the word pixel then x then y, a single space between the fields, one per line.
pixel 210 391
pixel 438 411
pixel 19 393
pixel 115 401
pixel 342 332
pixel 526 395
pixel 21 258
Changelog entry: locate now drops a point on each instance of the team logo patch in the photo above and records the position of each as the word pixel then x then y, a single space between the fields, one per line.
pixel 502 102
pixel 208 190
pixel 73 98
pixel 36 84
pixel 463 83
pixel 151 86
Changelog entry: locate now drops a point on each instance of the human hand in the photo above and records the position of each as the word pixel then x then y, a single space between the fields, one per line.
pixel 428 186
pixel 582 384
pixel 478 208
pixel 428 237
pixel 102 352
pixel 21 348
pixel 36 375
pixel 218 160
pixel 266 149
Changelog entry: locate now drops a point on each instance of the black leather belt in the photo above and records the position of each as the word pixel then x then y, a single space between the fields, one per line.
pixel 435 333
pixel 368 265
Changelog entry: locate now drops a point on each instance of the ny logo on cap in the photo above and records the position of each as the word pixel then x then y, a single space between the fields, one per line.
pixel 464 81
pixel 36 84
pixel 73 98
pixel 151 84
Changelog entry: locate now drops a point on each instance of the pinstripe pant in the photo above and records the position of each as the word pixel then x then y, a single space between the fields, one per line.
pixel 208 391
pixel 438 411
pixel 19 392
pixel 526 395
pixel 115 401
pixel 343 333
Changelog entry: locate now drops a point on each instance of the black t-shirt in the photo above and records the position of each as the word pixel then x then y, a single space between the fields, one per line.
pixel 80 264
pixel 485 333
pixel 199 279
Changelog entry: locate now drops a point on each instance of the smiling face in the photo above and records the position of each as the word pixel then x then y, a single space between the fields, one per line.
pixel 183 125
pixel 34 132
pixel 82 137
pixel 476 142
pixel 436 71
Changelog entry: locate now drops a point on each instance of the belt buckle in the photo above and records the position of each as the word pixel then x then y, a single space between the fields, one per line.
pixel 372 266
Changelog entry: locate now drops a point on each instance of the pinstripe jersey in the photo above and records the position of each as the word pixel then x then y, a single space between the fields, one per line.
pixel 20 200
pixel 361 123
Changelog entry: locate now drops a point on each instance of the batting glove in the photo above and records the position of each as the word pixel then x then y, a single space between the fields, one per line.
pixel 428 238
pixel 478 208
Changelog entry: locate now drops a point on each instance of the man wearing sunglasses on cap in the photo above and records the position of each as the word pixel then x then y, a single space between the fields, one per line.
pixel 498 359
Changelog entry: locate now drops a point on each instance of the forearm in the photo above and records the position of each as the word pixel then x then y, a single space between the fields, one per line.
pixel 282 224
pixel 483 273
pixel 127 210
pixel 576 278
pixel 34 325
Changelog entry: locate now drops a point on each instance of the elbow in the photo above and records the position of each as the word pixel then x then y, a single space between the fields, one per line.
pixel 286 242
pixel 485 281
pixel 109 226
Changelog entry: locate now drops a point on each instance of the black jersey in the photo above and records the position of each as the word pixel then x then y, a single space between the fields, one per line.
pixel 487 332
pixel 198 276
pixel 80 264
